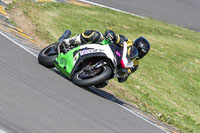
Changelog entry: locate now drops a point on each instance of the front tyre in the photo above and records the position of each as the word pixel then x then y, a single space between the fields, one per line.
pixel 47 55
pixel 103 75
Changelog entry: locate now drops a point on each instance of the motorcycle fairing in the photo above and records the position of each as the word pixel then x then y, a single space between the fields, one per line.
pixel 98 48
pixel 125 63
pixel 65 62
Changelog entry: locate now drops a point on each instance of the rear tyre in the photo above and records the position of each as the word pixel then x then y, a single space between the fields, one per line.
pixel 98 79
pixel 47 55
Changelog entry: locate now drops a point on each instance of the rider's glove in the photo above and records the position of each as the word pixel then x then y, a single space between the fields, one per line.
pixel 68 42
pixel 76 40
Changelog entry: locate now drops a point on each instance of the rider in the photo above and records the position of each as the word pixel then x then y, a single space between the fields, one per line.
pixel 93 36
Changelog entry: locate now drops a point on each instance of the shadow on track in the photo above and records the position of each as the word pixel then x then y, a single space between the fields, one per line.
pixel 148 117
pixel 95 90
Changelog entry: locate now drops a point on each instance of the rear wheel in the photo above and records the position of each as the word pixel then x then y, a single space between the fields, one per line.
pixel 47 55
pixel 88 77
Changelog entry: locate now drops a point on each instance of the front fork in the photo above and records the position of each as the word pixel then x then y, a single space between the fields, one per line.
pixel 64 49
pixel 58 47
pixel 61 48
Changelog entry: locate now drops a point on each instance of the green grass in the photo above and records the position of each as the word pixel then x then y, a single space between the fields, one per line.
pixel 167 83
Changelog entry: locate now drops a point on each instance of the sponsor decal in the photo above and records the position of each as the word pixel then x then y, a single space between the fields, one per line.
pixel 89 51
pixel 76 57
pixel 117 52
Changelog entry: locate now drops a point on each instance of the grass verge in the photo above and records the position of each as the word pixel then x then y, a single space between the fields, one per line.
pixel 167 83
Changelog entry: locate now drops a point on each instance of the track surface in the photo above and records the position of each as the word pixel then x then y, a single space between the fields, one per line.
pixel 185 13
pixel 34 99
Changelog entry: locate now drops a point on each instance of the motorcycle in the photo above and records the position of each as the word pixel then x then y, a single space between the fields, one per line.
pixel 86 65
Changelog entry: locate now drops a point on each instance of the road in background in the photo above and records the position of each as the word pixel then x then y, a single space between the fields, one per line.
pixel 35 99
pixel 184 13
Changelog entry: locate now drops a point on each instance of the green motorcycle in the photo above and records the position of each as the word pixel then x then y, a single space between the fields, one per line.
pixel 85 65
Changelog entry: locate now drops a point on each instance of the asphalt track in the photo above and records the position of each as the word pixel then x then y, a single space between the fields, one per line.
pixel 34 99
pixel 184 13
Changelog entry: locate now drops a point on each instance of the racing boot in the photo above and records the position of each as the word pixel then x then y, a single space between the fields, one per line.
pixel 76 40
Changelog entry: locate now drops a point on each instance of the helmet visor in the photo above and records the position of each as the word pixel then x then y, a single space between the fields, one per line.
pixel 142 53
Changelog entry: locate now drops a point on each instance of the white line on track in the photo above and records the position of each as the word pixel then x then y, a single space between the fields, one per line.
pixel 20 45
pixel 100 5
pixel 2 131
pixel 129 110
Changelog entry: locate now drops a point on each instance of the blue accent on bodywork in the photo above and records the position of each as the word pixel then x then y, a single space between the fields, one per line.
pixel 65 35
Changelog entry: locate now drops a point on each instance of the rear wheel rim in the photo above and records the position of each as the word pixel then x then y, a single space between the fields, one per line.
pixel 84 75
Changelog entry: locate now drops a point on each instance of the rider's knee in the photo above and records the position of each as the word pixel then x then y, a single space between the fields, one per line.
pixel 91 36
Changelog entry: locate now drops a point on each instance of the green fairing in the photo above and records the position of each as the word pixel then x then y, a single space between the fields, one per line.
pixel 66 62
pixel 105 42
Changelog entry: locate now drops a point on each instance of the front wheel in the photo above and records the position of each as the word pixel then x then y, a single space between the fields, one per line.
pixel 84 78
pixel 47 55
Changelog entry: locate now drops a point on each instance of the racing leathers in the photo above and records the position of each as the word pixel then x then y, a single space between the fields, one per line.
pixel 92 36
